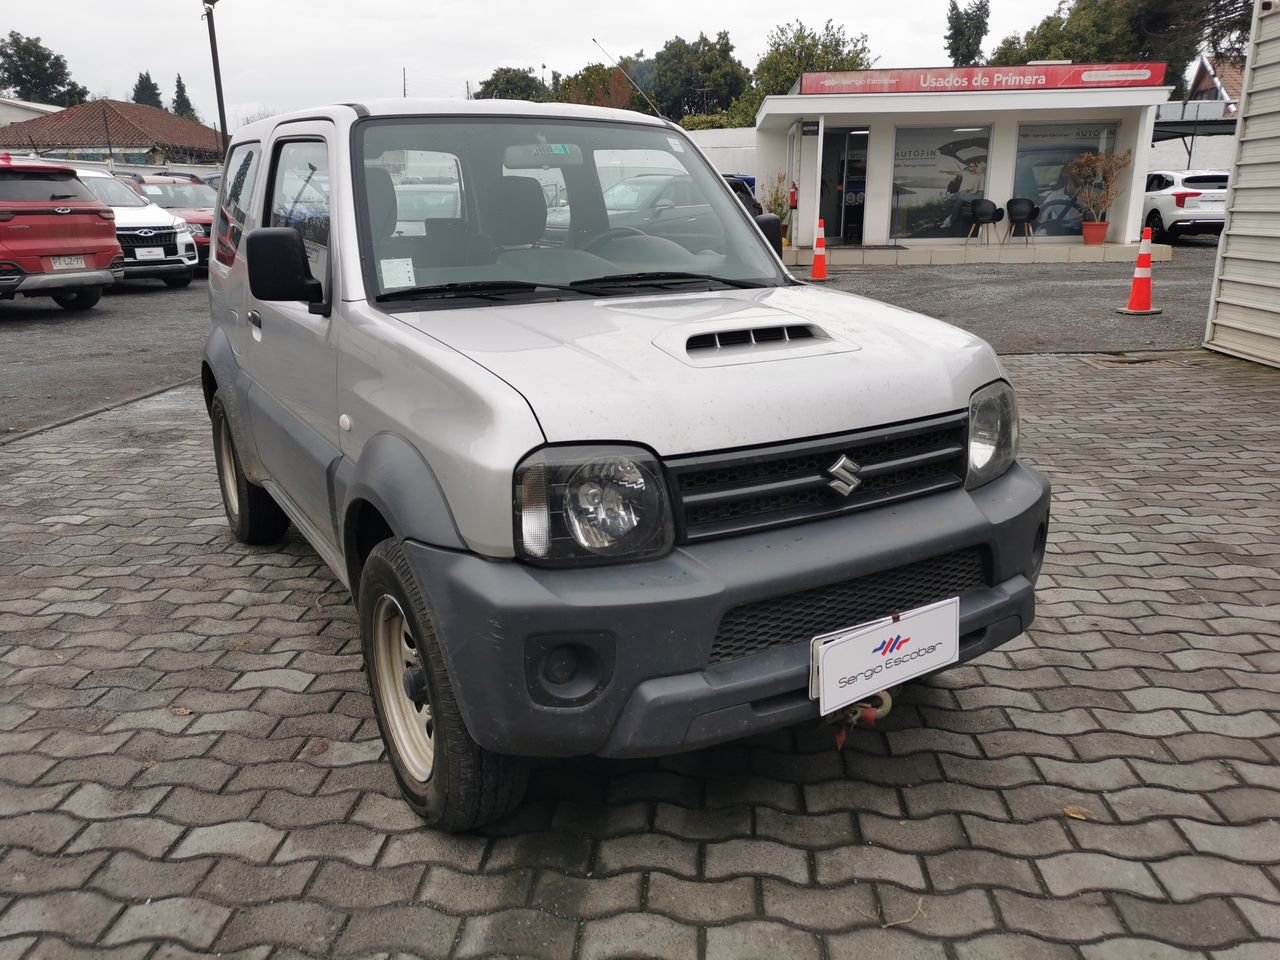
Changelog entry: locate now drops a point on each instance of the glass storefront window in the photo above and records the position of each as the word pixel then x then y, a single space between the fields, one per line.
pixel 935 171
pixel 1044 150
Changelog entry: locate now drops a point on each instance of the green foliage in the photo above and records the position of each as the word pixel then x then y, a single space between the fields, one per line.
pixel 595 84
pixel 31 71
pixel 794 49
pixel 1227 24
pixel 698 77
pixel 512 83
pixel 966 29
pixel 182 103
pixel 1117 31
pixel 147 92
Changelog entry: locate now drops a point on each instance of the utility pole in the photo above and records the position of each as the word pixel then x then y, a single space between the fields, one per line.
pixel 217 70
pixel 404 82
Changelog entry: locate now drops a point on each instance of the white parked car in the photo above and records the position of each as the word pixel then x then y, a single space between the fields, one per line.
pixel 154 241
pixel 1180 202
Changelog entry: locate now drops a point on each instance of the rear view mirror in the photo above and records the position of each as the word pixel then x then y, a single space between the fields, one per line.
pixel 278 267
pixel 540 156
pixel 770 226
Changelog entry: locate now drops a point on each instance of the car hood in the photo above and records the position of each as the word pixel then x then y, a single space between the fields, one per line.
pixel 193 214
pixel 150 215
pixel 622 369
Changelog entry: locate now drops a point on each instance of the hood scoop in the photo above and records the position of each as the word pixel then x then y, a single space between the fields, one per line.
pixel 706 346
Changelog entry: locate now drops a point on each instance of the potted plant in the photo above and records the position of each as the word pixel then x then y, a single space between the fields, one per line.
pixel 1094 181
pixel 776 201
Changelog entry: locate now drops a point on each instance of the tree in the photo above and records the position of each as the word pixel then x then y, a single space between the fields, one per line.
pixel 595 83
pixel 182 103
pixel 698 77
pixel 146 91
pixel 512 83
pixel 1117 31
pixel 31 71
pixel 966 29
pixel 793 49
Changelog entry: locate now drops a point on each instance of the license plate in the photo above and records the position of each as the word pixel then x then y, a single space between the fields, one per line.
pixel 149 253
pixel 851 664
pixel 67 263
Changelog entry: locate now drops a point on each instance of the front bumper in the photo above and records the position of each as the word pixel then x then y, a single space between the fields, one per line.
pixel 140 269
pixel 650 626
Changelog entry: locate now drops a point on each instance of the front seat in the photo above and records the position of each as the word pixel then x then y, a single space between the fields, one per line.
pixel 519 220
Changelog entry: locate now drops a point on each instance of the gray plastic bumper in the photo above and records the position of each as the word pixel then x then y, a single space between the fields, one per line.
pixel 654 622
pixel 43 284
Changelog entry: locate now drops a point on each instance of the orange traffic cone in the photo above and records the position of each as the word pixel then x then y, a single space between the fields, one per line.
pixel 1140 292
pixel 820 254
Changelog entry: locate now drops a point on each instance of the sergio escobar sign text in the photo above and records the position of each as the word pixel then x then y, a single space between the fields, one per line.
pixel 1073 76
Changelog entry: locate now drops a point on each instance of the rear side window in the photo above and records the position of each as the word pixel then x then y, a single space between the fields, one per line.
pixel 300 199
pixel 1206 182
pixel 41 186
pixel 235 201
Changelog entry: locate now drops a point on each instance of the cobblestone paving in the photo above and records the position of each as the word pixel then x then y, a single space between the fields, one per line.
pixel 188 763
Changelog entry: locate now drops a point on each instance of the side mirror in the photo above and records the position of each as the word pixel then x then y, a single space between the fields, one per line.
pixel 770 226
pixel 278 267
pixel 662 206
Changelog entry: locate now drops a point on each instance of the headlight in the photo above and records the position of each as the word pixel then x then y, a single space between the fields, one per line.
pixel 993 433
pixel 602 504
pixel 197 230
pixel 183 227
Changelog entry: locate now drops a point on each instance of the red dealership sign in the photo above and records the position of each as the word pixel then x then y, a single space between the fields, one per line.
pixel 1055 76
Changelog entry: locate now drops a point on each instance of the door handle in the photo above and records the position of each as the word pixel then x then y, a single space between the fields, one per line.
pixel 255 318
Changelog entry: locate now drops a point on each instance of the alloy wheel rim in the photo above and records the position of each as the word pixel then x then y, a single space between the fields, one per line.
pixel 227 471
pixel 409 721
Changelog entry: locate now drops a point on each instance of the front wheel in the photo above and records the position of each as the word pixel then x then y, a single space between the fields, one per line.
pixel 251 513
pixel 181 280
pixel 448 780
pixel 76 300
pixel 1156 223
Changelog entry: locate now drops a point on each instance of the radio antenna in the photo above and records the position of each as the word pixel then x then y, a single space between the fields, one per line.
pixel 656 111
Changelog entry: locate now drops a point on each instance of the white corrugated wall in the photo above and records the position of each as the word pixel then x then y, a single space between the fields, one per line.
pixel 1244 311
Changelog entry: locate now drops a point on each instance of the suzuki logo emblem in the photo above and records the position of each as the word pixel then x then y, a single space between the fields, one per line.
pixel 61 209
pixel 844 476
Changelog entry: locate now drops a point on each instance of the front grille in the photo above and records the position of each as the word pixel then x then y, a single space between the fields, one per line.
pixel 798 617
pixel 719 495
pixel 160 238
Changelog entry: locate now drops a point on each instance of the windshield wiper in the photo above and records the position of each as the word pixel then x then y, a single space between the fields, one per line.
pixel 658 278
pixel 479 289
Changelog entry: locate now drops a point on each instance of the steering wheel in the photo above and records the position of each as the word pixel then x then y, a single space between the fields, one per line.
pixel 611 233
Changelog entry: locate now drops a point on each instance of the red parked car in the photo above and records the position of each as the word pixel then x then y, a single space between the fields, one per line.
pixel 187 197
pixel 56 238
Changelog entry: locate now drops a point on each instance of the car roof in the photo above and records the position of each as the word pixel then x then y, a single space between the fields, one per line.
pixel 154 178
pixel 417 107
pixel 1191 173
pixel 90 172
pixel 33 163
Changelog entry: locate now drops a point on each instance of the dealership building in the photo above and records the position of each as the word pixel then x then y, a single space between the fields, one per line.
pixel 891 160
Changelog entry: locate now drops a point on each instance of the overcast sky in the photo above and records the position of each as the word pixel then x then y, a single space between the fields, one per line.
pixel 287 54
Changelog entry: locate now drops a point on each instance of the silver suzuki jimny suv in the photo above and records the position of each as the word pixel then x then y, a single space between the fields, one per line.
pixel 607 481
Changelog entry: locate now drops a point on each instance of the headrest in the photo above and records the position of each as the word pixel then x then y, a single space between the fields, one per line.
pixel 521 212
pixel 383 209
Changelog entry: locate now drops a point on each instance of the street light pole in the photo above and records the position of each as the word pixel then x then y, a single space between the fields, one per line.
pixel 217 70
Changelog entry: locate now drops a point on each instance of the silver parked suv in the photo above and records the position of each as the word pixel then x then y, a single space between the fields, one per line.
pixel 627 492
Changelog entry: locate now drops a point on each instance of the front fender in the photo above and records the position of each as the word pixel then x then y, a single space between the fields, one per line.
pixel 233 383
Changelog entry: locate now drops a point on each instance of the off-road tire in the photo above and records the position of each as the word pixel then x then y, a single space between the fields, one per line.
pixel 180 281
pixel 467 786
pixel 77 300
pixel 251 513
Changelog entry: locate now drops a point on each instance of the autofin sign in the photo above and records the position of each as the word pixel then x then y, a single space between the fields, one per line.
pixel 1051 76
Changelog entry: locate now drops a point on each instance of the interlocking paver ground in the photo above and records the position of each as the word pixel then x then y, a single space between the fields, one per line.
pixel 188 758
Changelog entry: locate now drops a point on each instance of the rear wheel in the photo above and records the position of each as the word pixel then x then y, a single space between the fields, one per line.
pixel 181 280
pixel 76 300
pixel 251 513
pixel 1158 232
pixel 448 780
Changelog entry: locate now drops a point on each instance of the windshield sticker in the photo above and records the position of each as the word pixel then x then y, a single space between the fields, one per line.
pixel 676 145
pixel 397 273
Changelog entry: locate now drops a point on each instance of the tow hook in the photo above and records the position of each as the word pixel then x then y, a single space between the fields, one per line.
pixel 415 685
pixel 865 712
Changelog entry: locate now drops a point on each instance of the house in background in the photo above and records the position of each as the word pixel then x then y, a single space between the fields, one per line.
pixel 115 130
pixel 15 111
pixel 1218 79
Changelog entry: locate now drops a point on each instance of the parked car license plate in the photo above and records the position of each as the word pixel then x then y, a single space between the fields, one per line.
pixel 149 253
pixel 851 664
pixel 67 263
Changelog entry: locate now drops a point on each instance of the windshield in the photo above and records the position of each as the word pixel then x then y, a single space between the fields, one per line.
pixel 112 192
pixel 464 203
pixel 198 195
